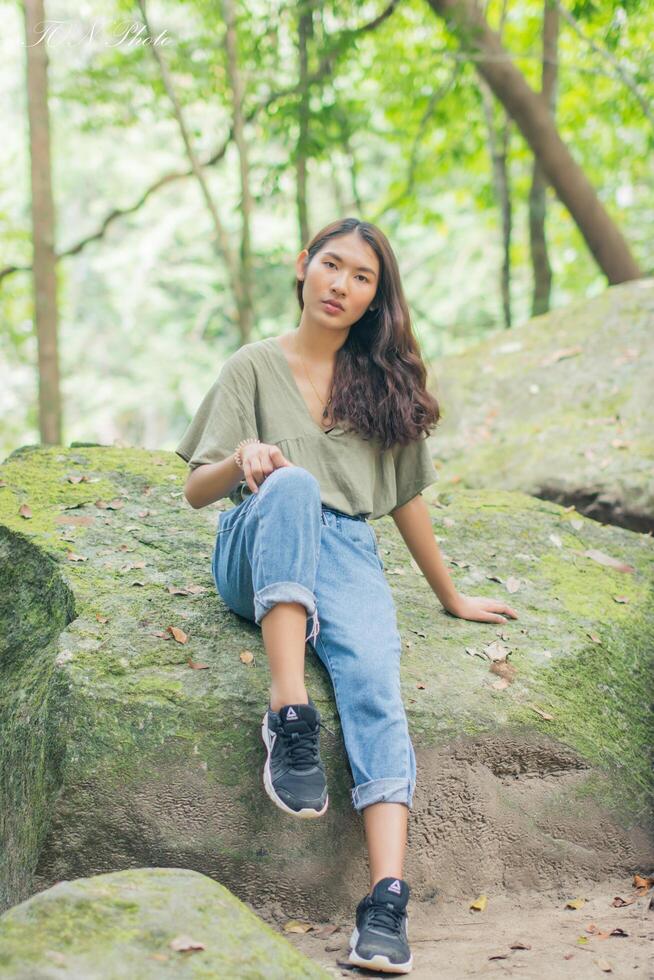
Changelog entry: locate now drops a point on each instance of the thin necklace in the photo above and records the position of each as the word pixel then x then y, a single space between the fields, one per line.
pixel 325 412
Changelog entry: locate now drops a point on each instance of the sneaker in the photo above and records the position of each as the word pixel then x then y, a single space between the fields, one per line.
pixel 294 776
pixel 380 940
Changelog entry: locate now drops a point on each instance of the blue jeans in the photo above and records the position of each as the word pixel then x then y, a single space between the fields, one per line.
pixel 283 544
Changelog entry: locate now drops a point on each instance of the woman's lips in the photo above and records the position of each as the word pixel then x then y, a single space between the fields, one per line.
pixel 331 308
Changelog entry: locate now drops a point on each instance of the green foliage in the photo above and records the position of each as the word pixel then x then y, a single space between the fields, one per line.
pixel 396 132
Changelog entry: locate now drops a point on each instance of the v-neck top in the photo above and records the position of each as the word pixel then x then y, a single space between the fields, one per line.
pixel 256 395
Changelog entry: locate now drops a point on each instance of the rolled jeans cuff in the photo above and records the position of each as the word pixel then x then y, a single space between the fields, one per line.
pixel 382 791
pixel 270 595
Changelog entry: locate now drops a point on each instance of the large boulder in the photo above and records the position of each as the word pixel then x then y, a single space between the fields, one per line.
pixel 145 923
pixel 560 407
pixel 118 753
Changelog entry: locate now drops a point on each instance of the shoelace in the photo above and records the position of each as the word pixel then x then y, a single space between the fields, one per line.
pixel 301 748
pixel 385 916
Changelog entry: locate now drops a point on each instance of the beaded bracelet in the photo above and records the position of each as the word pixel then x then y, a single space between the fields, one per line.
pixel 237 452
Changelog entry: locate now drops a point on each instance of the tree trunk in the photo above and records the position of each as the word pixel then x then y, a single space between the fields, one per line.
pixel 498 148
pixel 305 30
pixel 532 117
pixel 246 304
pixel 44 272
pixel 538 192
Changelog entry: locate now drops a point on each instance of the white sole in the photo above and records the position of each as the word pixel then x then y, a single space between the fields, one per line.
pixel 380 963
pixel 305 814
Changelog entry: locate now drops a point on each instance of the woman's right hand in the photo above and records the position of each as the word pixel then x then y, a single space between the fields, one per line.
pixel 259 460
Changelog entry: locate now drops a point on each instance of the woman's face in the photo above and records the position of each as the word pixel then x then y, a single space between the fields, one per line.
pixel 345 270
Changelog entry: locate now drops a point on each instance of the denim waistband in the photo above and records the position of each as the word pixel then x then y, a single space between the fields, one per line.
pixel 340 513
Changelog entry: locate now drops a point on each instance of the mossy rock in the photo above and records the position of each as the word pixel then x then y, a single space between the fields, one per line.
pixel 123 925
pixel 116 753
pixel 560 407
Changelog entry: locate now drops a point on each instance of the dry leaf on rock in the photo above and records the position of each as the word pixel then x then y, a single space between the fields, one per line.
pixel 496 650
pixel 608 561
pixel 479 904
pixel 71 556
pixel 504 670
pixel 299 927
pixel 184 944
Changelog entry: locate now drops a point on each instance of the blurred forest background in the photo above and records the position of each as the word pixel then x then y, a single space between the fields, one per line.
pixel 164 164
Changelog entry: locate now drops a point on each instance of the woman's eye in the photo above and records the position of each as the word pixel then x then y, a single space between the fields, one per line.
pixel 327 262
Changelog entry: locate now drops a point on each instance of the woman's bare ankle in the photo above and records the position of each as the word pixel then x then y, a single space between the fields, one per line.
pixel 279 696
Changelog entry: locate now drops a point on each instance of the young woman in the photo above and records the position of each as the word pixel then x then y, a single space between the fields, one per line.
pixel 311 434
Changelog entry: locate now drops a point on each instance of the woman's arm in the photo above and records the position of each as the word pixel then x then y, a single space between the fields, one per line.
pixel 414 524
pixel 211 481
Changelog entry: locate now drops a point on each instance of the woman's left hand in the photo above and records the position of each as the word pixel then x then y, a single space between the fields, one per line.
pixel 481 609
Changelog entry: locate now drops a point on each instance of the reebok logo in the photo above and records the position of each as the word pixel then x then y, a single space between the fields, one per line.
pixel 395 887
pixel 291 715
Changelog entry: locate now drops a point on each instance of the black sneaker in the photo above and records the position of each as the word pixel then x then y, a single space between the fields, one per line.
pixel 380 941
pixel 294 776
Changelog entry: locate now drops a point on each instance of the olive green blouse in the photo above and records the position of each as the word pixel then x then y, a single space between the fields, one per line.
pixel 256 394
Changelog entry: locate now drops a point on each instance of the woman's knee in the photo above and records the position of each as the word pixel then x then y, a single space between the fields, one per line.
pixel 291 479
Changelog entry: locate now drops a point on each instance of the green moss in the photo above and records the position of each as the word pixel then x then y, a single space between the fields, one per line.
pixel 587 589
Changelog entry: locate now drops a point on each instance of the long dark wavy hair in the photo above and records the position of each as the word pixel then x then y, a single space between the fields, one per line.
pixel 379 383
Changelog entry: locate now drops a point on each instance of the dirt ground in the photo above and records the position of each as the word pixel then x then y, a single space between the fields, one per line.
pixel 449 941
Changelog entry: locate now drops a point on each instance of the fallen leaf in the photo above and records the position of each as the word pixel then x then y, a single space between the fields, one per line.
pixel 177 633
pixel 621 598
pixel 639 881
pixel 575 903
pixel 520 945
pixel 246 657
pixel 184 944
pixel 101 619
pixel 195 666
pixel 560 355
pixel 496 650
pixel 542 713
pixel 594 637
pixel 619 903
pixel 326 931
pixel 73 521
pixel 78 479
pixel 299 927
pixel 604 965
pixel 71 556
pixel 173 590
pixel 479 904
pixel 504 670
pixel 513 584
pixel 608 561
pixel 499 956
